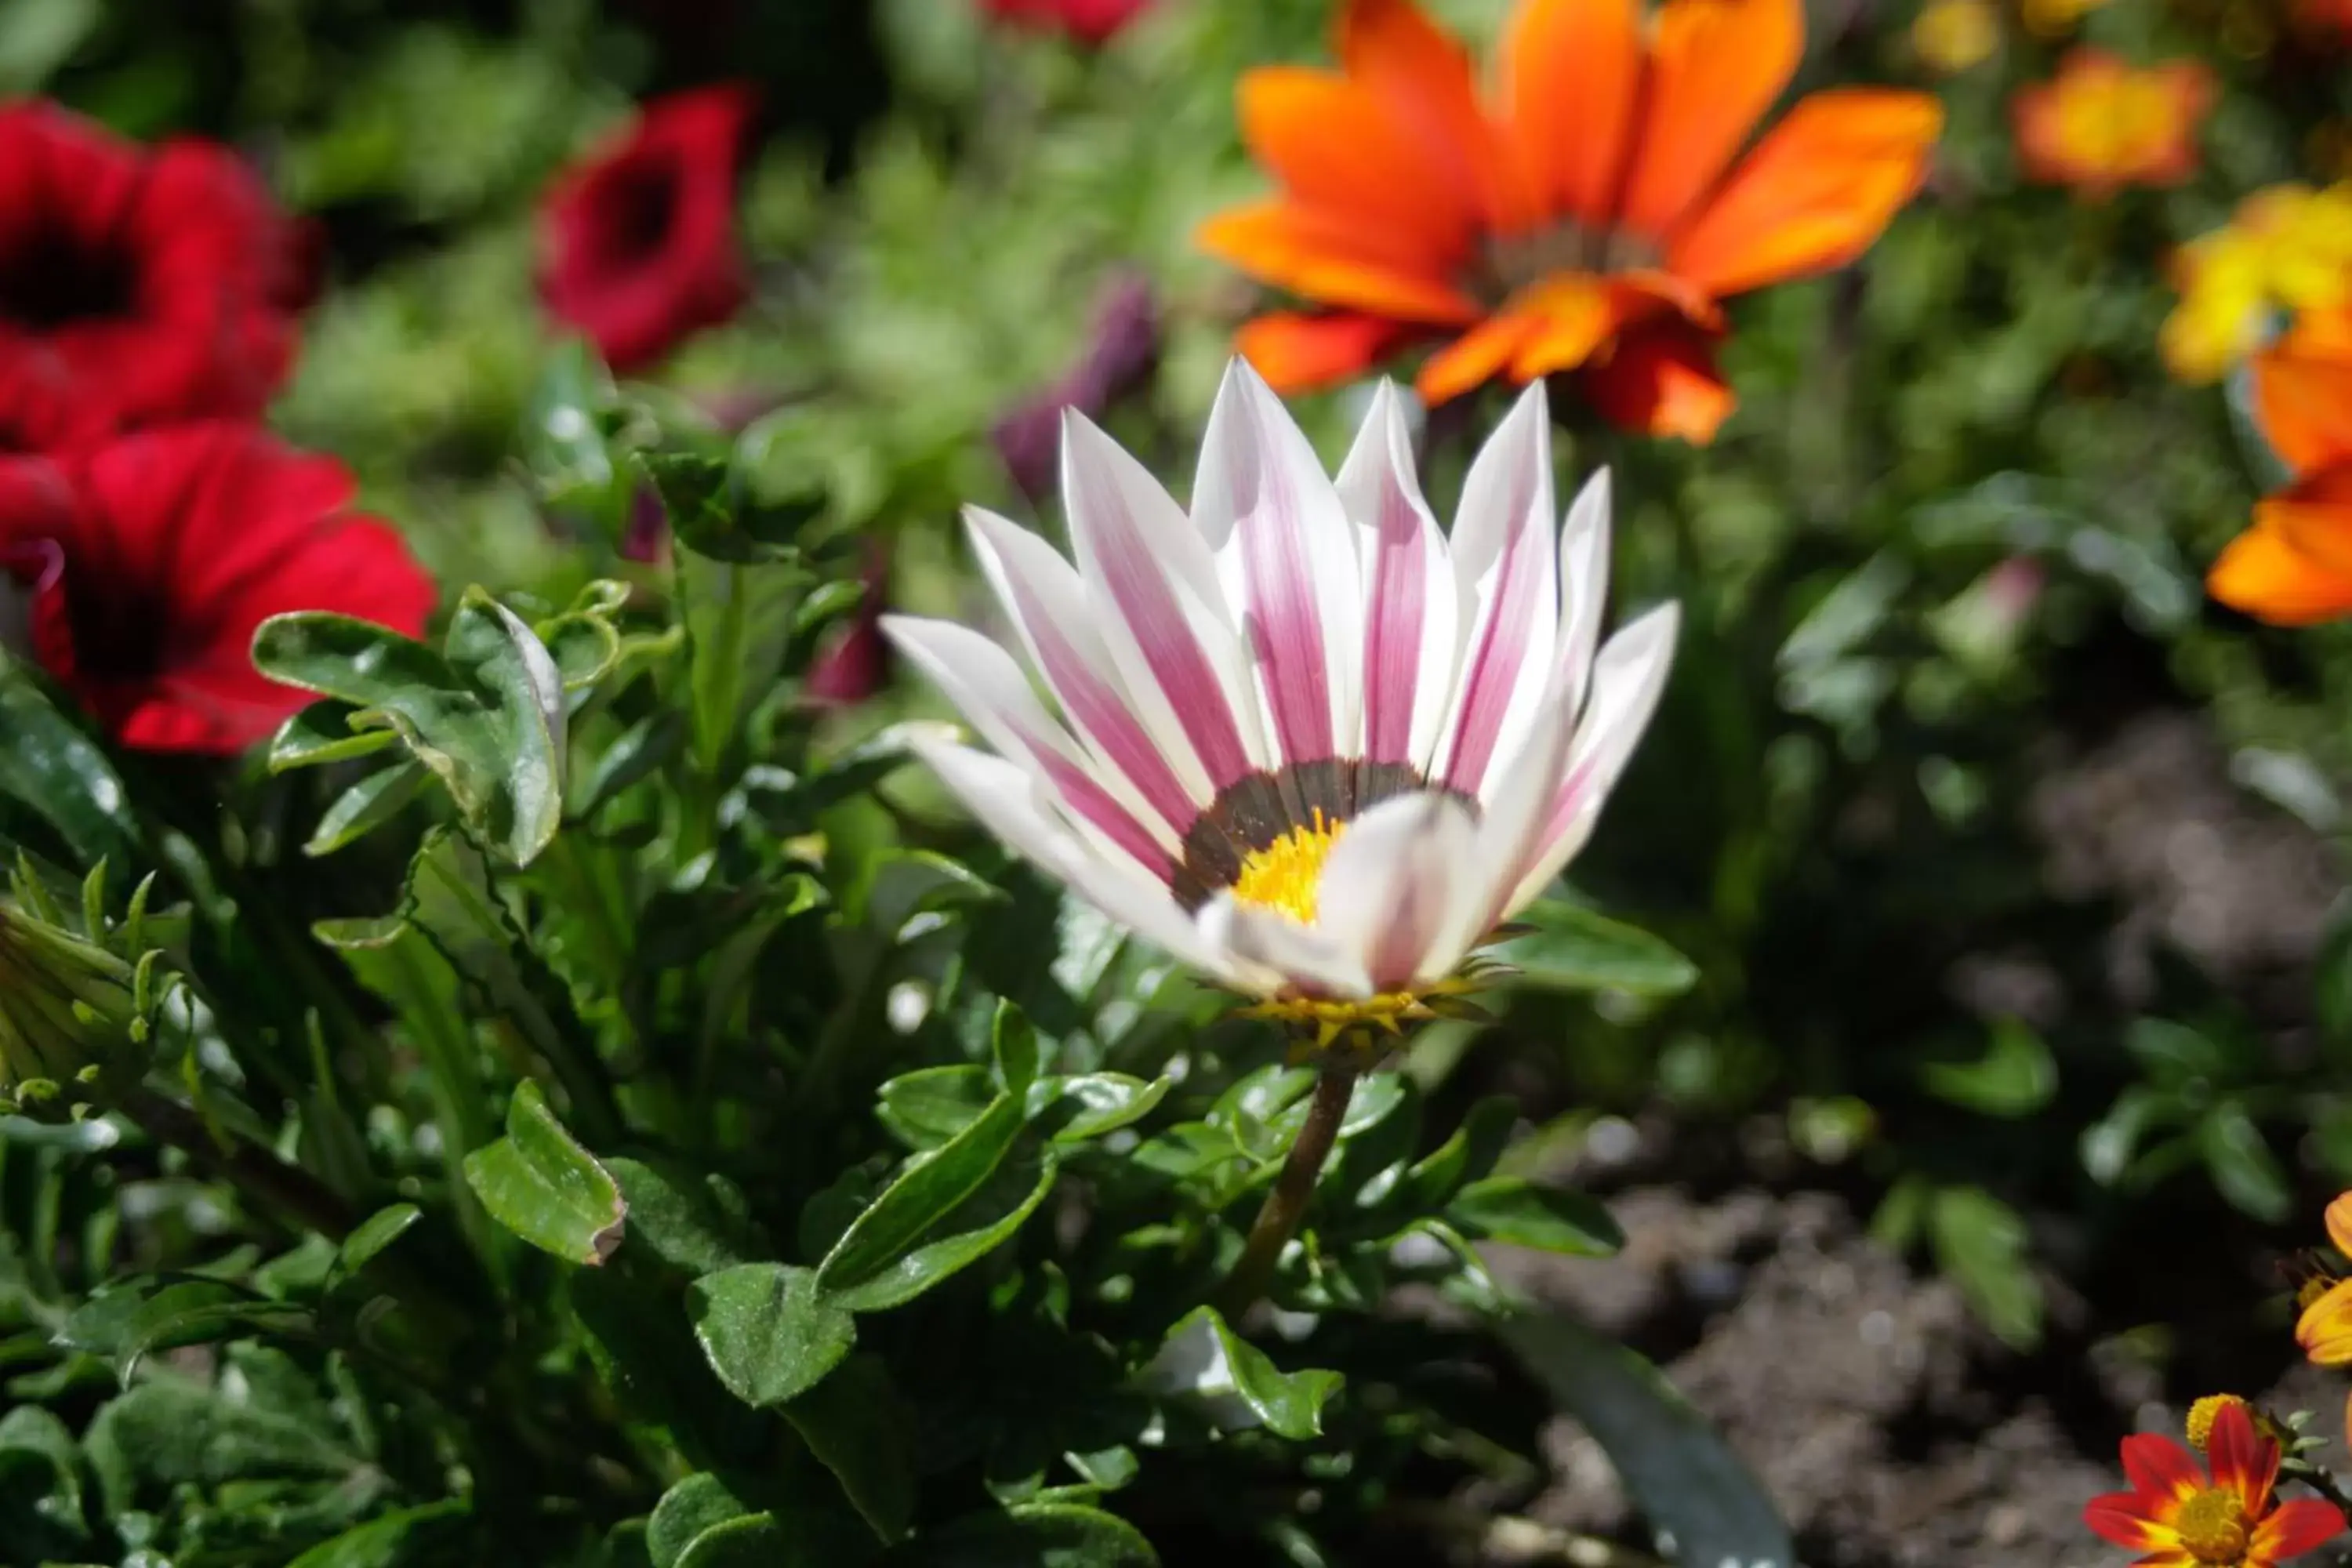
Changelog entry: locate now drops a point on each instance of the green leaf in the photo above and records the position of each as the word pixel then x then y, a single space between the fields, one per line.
pixel 1469 1155
pixel 768 1329
pixel 1507 1208
pixel 930 1105
pixel 2016 1076
pixel 373 1233
pixel 681 1218
pixel 1980 1244
pixel 754 1541
pixel 1204 1359
pixel 1013 1045
pixel 1572 949
pixel 36 36
pixel 1032 1535
pixel 975 1228
pixel 543 1185
pixel 1681 1476
pixel 130 1318
pixel 414 1536
pixel 59 773
pixel 641 750
pixel 367 806
pixel 486 715
pixel 582 641
pixel 322 733
pixel 856 1423
pixel 738 625
pixel 564 442
pixel 1088 1105
pixel 713 512
pixel 932 1185
pixel 41 1508
pixel 699 1503
pixel 2243 1169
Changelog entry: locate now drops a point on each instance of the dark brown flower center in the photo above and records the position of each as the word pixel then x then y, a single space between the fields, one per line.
pixel 1507 263
pixel 118 634
pixel 1260 810
pixel 49 281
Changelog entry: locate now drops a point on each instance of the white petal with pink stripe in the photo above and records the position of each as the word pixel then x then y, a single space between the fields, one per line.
pixel 1299 737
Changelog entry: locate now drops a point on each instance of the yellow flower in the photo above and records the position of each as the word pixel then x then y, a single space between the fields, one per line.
pixel 2201 1414
pixel 2053 18
pixel 1950 36
pixel 2287 247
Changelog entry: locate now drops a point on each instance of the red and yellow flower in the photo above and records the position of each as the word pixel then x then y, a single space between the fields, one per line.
pixel 1590 217
pixel 2102 122
pixel 2180 1514
pixel 2293 566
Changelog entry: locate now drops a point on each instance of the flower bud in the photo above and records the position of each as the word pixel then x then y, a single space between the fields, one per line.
pixel 66 1004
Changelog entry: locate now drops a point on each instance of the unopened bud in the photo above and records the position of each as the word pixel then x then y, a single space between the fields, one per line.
pixel 67 1006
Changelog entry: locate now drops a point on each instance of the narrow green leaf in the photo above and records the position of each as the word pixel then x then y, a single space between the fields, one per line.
pixel 681 1217
pixel 700 1502
pixel 1205 1360
pixel 2015 1076
pixel 768 1330
pixel 1572 949
pixel 322 733
pixel 1086 1105
pixel 754 1541
pixel 59 772
pixel 1032 1535
pixel 1981 1243
pixel 412 1538
pixel 543 1187
pixel 968 1233
pixel 931 1186
pixel 127 1322
pixel 373 1233
pixel 1012 1043
pixel 367 806
pixel 1681 1476
pixel 930 1105
pixel 565 444
pixel 2242 1167
pixel 1507 1208
pixel 856 1424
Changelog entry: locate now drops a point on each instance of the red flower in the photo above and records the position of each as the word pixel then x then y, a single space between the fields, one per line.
pixel 136 286
pixel 1088 21
pixel 151 558
pixel 2181 1519
pixel 637 243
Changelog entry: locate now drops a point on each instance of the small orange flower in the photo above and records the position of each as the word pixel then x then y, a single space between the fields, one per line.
pixel 2293 567
pixel 1589 219
pixel 2181 1517
pixel 2103 122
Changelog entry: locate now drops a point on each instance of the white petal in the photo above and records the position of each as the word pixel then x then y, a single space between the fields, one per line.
pixel 1391 886
pixel 985 684
pixel 1009 804
pixel 1504 560
pixel 1282 954
pixel 1413 616
pixel 1583 582
pixel 1285 559
pixel 1627 680
pixel 1045 599
pixel 1163 614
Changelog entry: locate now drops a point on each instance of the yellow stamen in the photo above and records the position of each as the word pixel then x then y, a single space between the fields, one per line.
pixel 2202 1414
pixel 2212 1526
pixel 1285 874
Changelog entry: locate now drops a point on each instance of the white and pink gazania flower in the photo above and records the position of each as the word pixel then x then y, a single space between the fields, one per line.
pixel 1306 744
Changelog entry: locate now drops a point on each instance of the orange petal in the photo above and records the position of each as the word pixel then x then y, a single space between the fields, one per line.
pixel 2339 1223
pixel 2320 334
pixel 1335 146
pixel 1816 192
pixel 1333 262
pixel 1426 82
pixel 2262 575
pixel 2314 515
pixel 2243 1460
pixel 1477 357
pixel 1715 66
pixel 2303 403
pixel 1661 379
pixel 1306 353
pixel 1571 71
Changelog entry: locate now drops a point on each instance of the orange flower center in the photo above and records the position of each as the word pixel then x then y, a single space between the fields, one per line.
pixel 2118 123
pixel 2212 1526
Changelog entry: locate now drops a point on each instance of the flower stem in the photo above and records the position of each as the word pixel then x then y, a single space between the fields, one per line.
pixel 1294 1189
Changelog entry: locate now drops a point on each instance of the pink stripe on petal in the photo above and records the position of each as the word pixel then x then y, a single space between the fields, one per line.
pixel 1143 599
pixel 1102 716
pixel 1392 635
pixel 1090 800
pixel 1499 660
pixel 1283 618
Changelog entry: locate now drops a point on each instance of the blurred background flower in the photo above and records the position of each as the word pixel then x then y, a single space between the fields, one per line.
pixel 2102 124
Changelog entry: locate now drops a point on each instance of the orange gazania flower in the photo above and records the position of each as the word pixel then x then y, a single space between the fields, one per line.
pixel 2181 1517
pixel 2103 122
pixel 2325 1328
pixel 2293 566
pixel 1590 217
